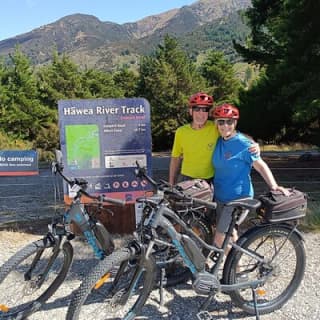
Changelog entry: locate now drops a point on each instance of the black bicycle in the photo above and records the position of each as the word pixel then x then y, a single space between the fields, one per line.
pixel 262 271
pixel 32 275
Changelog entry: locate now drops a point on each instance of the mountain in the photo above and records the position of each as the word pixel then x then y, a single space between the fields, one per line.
pixel 92 43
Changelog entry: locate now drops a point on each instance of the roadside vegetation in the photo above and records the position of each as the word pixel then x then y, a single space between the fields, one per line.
pixel 276 86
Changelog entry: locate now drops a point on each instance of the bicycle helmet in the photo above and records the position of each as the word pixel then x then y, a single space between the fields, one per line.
pixel 226 110
pixel 200 99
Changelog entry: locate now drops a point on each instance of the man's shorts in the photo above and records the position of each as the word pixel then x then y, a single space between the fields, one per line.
pixel 182 177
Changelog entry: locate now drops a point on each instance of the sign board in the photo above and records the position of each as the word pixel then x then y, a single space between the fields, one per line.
pixel 18 163
pixel 101 140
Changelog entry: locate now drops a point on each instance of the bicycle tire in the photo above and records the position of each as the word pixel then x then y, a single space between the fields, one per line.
pixel 99 295
pixel 19 296
pixel 203 228
pixel 176 272
pixel 288 267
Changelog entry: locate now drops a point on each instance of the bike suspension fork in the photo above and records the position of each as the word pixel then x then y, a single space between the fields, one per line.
pixel 55 244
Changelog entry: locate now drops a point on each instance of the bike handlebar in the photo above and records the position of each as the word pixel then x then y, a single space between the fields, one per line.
pixel 113 200
pixel 208 204
pixel 81 183
pixel 172 190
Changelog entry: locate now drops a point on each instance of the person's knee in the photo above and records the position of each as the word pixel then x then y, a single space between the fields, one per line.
pixel 218 239
pixel 235 235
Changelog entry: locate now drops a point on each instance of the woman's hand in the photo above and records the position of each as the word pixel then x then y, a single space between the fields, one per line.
pixel 285 191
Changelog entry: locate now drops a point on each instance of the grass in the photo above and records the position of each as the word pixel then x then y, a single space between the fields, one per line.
pixel 288 147
pixel 312 220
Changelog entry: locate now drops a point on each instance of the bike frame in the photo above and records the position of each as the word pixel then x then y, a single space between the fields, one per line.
pixel 59 230
pixel 160 219
pixel 189 244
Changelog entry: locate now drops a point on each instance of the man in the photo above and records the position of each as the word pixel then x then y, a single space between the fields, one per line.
pixel 194 143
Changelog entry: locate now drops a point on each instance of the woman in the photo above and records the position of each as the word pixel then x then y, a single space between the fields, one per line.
pixel 233 162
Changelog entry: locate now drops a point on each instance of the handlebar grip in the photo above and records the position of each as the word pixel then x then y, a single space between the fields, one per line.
pixel 208 204
pixel 114 201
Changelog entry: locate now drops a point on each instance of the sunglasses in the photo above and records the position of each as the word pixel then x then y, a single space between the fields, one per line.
pixel 203 109
pixel 229 122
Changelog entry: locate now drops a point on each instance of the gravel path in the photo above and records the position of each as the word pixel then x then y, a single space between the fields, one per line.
pixel 181 301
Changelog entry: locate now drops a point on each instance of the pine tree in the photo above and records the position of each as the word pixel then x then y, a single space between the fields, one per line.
pixel 22 114
pixel 167 79
pixel 285 39
pixel 220 76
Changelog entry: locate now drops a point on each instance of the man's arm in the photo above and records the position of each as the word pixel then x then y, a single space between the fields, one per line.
pixel 175 163
pixel 254 148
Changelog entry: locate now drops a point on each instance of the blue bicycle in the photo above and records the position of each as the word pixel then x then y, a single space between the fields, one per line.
pixel 32 275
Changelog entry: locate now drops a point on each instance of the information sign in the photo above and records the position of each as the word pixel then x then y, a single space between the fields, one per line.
pixel 101 140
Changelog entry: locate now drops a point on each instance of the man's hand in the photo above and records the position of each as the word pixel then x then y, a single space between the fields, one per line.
pixel 255 149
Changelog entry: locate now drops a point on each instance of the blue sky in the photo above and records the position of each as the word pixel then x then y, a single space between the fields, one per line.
pixel 21 16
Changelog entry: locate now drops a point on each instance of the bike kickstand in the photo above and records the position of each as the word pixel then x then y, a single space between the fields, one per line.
pixel 163 281
pixel 254 295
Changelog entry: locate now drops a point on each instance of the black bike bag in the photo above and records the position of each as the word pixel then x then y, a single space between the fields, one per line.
pixel 276 207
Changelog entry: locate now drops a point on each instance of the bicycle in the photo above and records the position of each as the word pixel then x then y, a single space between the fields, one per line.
pixel 32 275
pixel 119 287
pixel 168 261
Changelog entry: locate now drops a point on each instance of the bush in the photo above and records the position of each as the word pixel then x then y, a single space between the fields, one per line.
pixel 8 143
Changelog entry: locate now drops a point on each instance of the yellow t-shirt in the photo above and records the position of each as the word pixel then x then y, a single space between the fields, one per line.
pixel 196 148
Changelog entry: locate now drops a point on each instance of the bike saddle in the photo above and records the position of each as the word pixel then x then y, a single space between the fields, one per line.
pixel 245 203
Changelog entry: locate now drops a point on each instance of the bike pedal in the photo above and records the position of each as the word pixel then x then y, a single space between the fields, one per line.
pixel 204 315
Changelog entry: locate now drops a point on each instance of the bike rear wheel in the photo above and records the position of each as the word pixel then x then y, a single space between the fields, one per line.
pixel 117 287
pixel 284 255
pixel 23 290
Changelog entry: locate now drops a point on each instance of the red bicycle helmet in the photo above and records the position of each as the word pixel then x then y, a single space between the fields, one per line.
pixel 200 99
pixel 226 111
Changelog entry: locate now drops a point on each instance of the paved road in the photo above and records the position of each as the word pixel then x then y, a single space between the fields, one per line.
pixel 32 198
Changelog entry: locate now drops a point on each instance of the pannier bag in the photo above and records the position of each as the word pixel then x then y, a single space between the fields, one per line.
pixel 276 207
pixel 196 188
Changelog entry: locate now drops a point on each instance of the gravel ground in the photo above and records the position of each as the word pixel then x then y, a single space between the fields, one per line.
pixel 179 302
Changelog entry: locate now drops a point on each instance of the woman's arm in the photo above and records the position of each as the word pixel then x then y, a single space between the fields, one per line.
pixel 268 177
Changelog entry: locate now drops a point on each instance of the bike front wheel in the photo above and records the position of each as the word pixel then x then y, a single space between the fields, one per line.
pixel 284 259
pixel 27 281
pixel 116 288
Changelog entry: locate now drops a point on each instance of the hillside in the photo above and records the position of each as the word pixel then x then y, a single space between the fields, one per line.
pixel 93 43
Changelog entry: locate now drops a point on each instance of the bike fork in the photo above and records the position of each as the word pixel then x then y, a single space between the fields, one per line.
pixel 41 278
